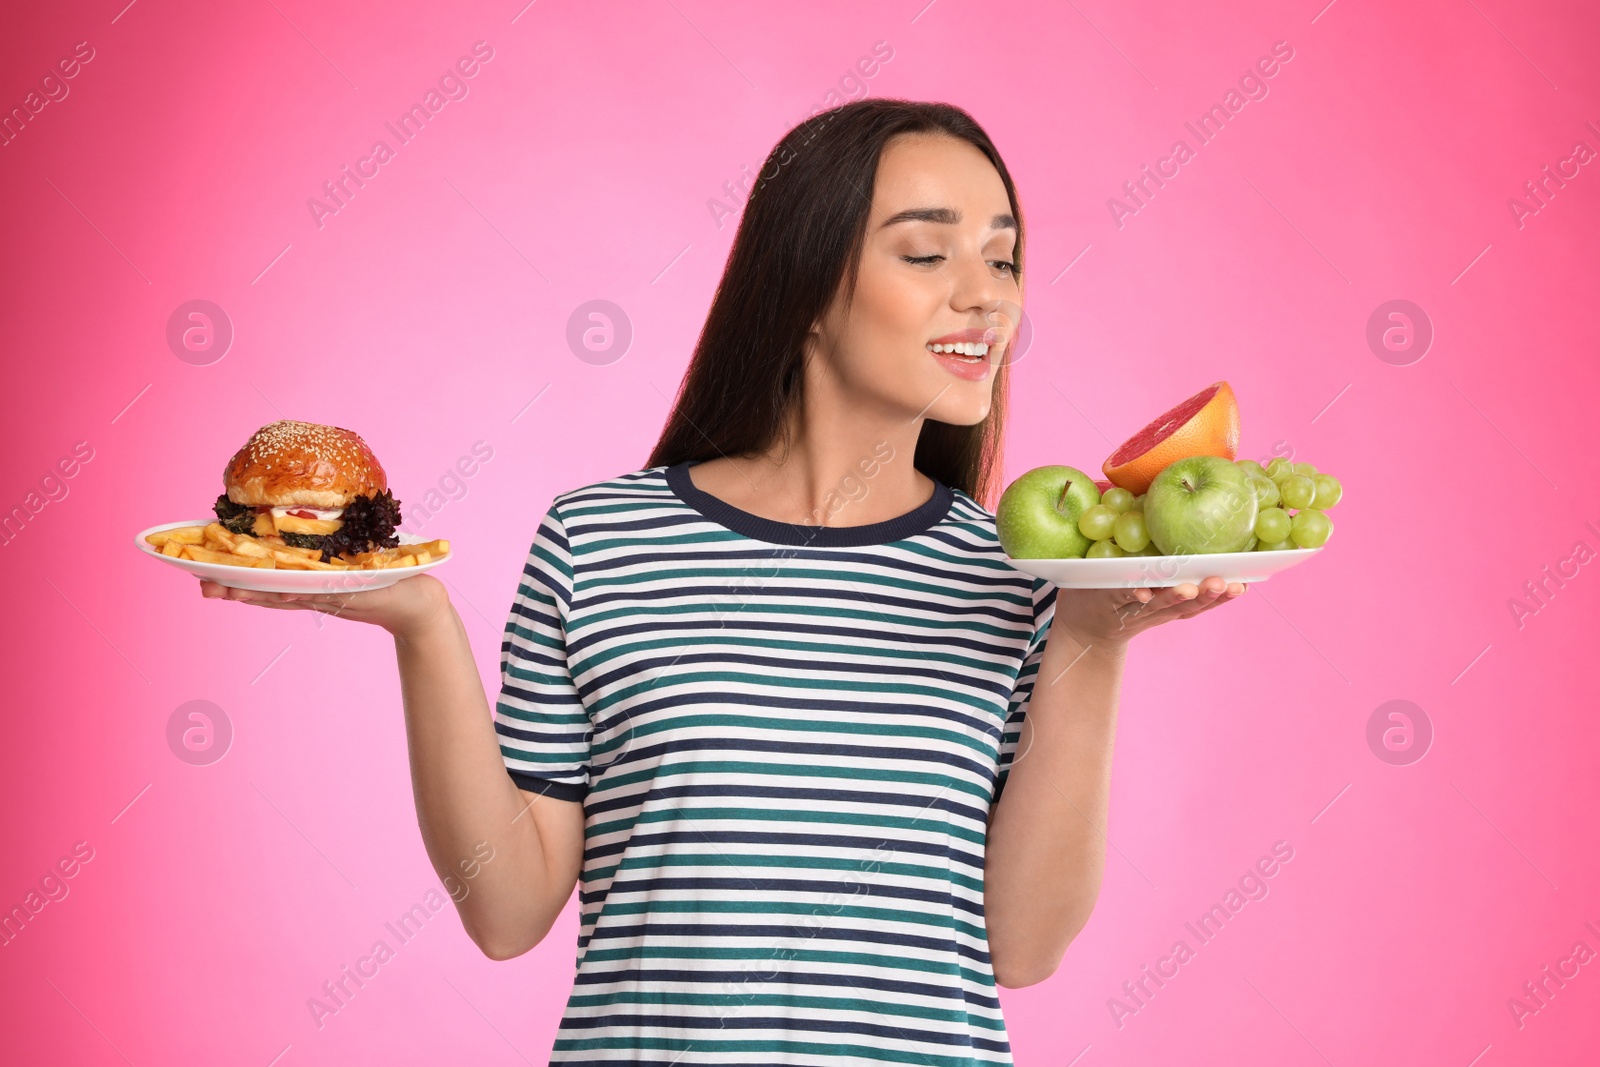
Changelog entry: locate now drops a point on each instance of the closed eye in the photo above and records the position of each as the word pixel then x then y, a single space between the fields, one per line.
pixel 1006 265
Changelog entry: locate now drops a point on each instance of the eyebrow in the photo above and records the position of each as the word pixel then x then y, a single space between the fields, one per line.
pixel 948 216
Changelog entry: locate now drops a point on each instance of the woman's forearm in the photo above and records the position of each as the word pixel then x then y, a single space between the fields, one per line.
pixel 1046 850
pixel 467 805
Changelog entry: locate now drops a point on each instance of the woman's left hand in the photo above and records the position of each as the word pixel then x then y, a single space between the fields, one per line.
pixel 1112 617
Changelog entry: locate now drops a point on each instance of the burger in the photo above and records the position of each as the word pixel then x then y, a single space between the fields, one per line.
pixel 314 486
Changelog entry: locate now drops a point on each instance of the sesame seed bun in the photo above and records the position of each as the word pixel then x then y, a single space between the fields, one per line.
pixel 287 462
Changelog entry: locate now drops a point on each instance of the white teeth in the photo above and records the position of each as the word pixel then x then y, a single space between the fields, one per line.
pixel 976 349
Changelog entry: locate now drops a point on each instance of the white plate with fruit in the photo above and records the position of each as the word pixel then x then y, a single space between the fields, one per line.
pixel 1157 572
pixel 1177 507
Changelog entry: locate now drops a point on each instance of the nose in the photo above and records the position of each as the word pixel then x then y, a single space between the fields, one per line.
pixel 978 288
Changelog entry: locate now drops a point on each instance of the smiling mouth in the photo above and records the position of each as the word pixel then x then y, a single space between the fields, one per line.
pixel 966 352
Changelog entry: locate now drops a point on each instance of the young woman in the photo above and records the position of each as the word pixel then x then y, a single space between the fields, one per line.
pixel 768 698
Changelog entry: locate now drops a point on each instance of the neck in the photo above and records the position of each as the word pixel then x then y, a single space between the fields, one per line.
pixel 848 462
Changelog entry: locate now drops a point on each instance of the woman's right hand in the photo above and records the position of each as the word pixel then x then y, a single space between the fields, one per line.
pixel 407 606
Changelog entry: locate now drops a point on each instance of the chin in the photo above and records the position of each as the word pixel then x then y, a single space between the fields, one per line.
pixel 962 416
pixel 963 404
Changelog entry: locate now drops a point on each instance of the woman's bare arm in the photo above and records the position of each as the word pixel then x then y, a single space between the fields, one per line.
pixel 467 805
pixel 1046 850
pixel 1047 843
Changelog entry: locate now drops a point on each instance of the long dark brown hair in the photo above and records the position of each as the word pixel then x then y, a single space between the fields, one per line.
pixel 803 228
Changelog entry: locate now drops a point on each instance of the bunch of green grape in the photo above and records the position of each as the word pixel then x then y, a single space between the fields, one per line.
pixel 1292 501
pixel 1115 526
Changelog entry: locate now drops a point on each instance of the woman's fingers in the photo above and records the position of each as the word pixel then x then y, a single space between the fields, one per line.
pixel 336 604
pixel 1183 601
pixel 214 591
pixel 418 598
pixel 300 601
pixel 1213 592
pixel 1173 596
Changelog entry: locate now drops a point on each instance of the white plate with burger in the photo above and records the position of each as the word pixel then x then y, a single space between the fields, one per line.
pixel 306 508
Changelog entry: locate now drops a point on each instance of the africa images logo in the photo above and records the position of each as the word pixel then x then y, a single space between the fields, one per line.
pixel 452 85
pixel 1252 86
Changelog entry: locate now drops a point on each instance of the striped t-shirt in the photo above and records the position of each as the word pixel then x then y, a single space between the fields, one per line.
pixel 787 740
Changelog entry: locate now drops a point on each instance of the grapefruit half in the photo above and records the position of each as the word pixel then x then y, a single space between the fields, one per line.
pixel 1207 424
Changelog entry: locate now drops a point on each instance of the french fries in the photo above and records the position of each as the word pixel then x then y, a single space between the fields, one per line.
pixel 215 543
pixel 206 555
pixel 221 535
pixel 183 535
pixel 275 542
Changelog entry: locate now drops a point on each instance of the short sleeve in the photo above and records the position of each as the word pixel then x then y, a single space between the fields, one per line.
pixel 1044 610
pixel 543 727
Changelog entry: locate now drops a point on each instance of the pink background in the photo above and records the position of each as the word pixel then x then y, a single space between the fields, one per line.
pixel 433 308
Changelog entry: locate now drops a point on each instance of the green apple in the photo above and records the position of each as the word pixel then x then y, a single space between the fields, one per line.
pixel 1200 505
pixel 1039 512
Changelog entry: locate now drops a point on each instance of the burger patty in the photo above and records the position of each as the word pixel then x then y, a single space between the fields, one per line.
pixel 369 523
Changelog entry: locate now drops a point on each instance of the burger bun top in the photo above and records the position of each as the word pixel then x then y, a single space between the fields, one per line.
pixel 287 463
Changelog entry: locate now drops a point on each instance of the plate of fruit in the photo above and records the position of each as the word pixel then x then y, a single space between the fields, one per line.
pixel 1175 506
